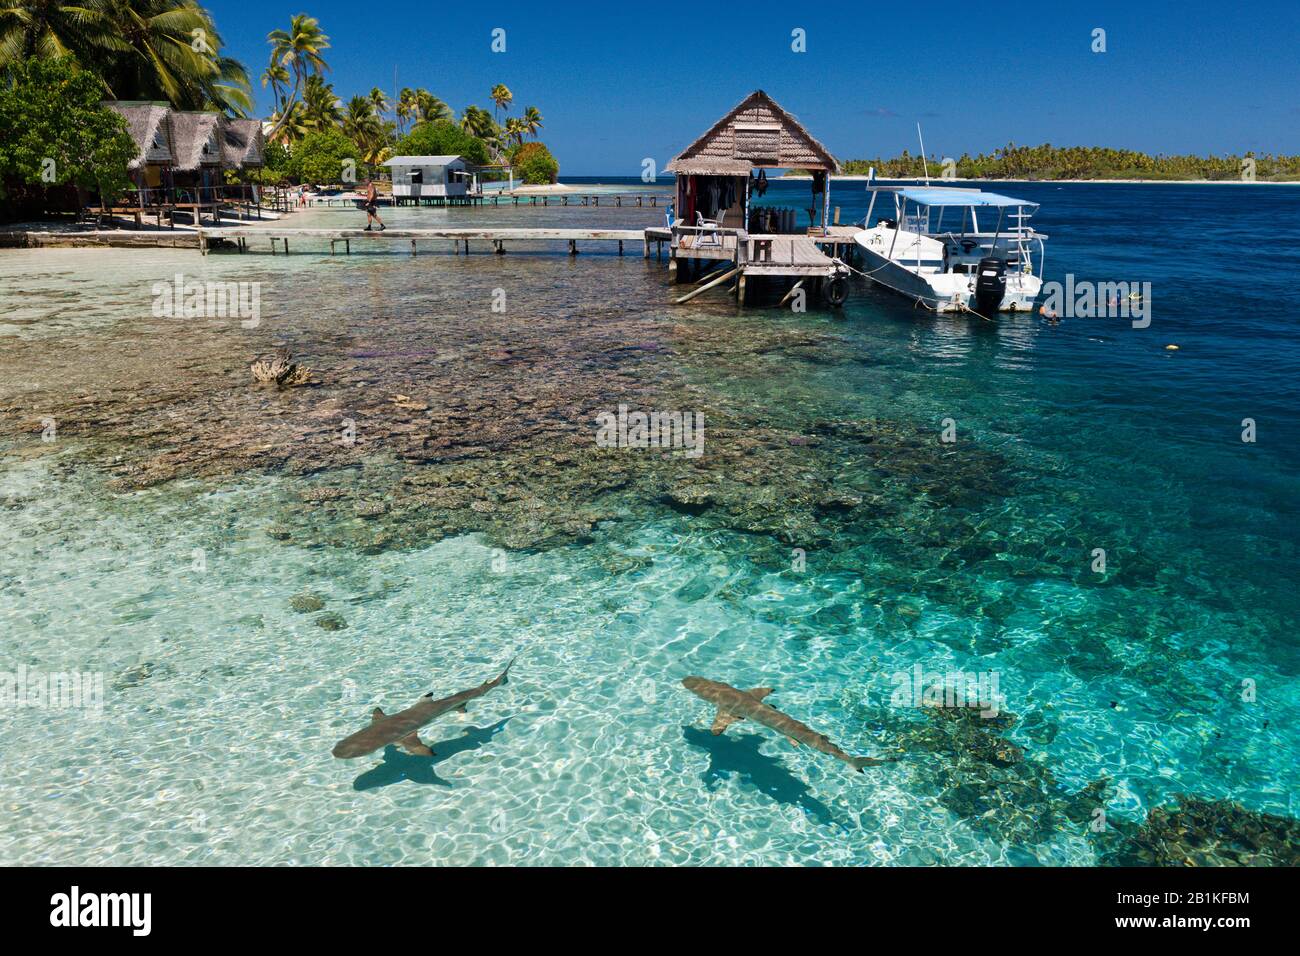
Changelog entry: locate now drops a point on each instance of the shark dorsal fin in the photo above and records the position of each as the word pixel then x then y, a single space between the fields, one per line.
pixel 758 693
pixel 377 714
pixel 723 720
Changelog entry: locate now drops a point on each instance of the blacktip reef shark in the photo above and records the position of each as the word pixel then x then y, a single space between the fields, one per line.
pixel 734 705
pixel 402 728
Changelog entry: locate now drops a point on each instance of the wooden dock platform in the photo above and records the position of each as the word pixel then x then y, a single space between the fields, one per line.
pixel 761 255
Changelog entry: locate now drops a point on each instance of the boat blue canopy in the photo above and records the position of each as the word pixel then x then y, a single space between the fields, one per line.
pixel 932 196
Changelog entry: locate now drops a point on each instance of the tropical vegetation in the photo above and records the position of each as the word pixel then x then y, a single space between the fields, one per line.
pixel 58 136
pixel 1084 162
pixel 535 164
pixel 170 50
pixel 412 121
pixel 324 156
pixel 137 49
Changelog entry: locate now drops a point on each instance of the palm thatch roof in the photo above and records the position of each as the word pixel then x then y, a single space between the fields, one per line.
pixel 150 127
pixel 197 139
pixel 242 143
pixel 757 133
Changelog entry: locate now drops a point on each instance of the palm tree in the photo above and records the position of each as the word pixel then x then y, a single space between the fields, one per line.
pixel 49 28
pixel 501 98
pixel 278 77
pixel 430 108
pixel 140 49
pixel 378 100
pixel 514 131
pixel 298 49
pixel 366 128
pixel 321 108
pixel 477 122
pixel 168 49
pixel 406 107
pixel 532 120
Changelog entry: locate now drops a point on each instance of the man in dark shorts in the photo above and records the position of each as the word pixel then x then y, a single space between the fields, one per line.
pixel 372 207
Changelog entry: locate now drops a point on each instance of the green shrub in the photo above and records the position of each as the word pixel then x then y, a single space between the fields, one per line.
pixel 535 165
pixel 57 132
pixel 442 138
pixel 324 157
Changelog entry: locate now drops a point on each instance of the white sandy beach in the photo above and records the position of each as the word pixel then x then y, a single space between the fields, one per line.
pixel 549 189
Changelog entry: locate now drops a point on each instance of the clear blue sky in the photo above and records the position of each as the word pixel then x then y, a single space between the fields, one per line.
pixel 620 81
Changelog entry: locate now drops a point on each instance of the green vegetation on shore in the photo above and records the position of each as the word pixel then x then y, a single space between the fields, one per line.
pixel 170 51
pixel 59 142
pixel 1084 162
pixel 137 49
pixel 417 122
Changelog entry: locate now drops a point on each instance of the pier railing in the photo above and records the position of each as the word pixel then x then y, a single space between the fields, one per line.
pixel 738 247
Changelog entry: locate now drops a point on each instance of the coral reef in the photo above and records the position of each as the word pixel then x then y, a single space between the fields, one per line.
pixel 1198 832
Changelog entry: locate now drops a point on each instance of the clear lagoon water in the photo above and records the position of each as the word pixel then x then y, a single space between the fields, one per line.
pixel 222 701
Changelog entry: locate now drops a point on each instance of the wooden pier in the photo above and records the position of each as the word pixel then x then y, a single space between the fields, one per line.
pixel 594 200
pixel 460 237
pixel 695 252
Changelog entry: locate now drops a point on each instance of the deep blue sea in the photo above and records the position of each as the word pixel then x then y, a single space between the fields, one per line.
pixel 1174 670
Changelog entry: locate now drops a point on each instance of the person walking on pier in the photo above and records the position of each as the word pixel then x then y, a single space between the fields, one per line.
pixel 372 207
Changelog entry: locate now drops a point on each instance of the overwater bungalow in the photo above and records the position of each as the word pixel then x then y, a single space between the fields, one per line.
pixel 438 179
pixel 721 178
pixel 719 174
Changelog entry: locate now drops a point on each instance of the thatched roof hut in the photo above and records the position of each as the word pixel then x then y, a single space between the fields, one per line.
pixel 242 144
pixel 148 123
pixel 756 134
pixel 198 139
pixel 714 172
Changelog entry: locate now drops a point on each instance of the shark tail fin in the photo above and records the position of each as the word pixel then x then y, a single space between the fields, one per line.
pixel 504 678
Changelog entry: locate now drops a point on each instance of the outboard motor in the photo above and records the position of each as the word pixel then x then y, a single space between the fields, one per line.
pixel 990 284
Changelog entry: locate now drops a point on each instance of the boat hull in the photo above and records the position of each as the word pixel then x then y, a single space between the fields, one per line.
pixel 944 292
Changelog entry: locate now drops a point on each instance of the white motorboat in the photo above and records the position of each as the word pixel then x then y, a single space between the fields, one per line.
pixel 954 249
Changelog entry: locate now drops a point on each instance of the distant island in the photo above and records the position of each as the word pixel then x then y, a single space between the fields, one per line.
pixel 1047 162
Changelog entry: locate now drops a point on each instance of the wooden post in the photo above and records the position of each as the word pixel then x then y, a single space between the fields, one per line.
pixel 705 288
pixel 740 291
pixel 413 248
pixel 573 247
pixel 620 247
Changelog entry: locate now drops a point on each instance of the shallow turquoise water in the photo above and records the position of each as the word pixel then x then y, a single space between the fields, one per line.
pixel 222 703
